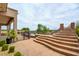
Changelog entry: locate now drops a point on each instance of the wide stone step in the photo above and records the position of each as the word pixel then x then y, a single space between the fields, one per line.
pixel 67 31
pixel 60 38
pixel 64 36
pixel 59 41
pixel 65 39
pixel 75 49
pixel 67 34
pixel 59 50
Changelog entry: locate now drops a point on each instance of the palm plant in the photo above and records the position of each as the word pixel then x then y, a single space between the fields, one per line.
pixel 12 34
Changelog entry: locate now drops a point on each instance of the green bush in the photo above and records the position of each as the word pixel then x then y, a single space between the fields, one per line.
pixel 77 31
pixel 17 54
pixel 11 49
pixel 12 34
pixel 2 43
pixel 5 47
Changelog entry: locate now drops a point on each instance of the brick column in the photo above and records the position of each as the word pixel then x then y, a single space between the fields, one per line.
pixel 8 27
pixel 0 30
pixel 73 25
pixel 15 24
pixel 61 26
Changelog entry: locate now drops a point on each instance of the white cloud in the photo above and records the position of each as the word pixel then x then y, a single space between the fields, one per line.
pixel 49 14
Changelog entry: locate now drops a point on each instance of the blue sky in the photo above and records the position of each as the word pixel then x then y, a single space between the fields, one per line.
pixel 48 14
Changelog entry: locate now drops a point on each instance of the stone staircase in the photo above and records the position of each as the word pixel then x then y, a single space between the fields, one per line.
pixel 64 42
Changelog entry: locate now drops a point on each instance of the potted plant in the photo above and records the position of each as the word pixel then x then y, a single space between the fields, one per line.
pixel 11 36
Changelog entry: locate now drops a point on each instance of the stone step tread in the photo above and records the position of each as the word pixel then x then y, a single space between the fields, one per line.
pixel 66 32
pixel 61 45
pixel 60 38
pixel 64 36
pixel 65 39
pixel 68 29
pixel 59 50
pixel 59 41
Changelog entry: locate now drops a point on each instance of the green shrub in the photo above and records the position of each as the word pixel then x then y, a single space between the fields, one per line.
pixel 77 31
pixel 17 54
pixel 12 34
pixel 5 47
pixel 2 43
pixel 11 49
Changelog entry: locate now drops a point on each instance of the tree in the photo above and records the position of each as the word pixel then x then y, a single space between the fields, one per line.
pixel 25 29
pixel 39 29
pixel 42 29
pixel 45 29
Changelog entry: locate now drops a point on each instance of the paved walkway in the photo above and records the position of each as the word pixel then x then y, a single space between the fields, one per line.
pixel 31 48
